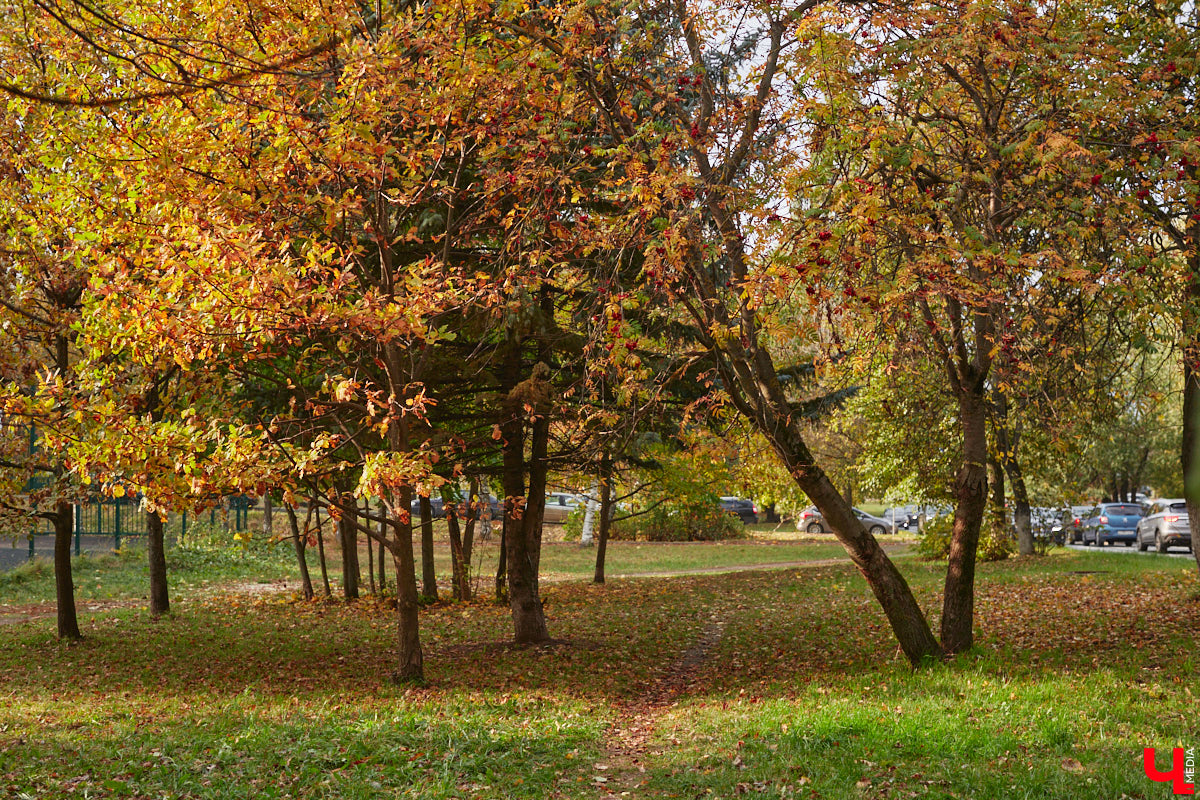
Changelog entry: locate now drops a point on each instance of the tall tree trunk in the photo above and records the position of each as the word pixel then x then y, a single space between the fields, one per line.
pixel 313 508
pixel 410 666
pixel 366 517
pixel 970 487
pixel 347 526
pixel 300 543
pixel 156 552
pixel 1190 444
pixel 64 586
pixel 428 568
pixel 761 398
pixel 460 544
pixel 383 530
pixel 606 515
pixel 525 548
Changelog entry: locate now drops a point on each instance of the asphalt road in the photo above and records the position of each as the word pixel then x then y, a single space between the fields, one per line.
pixel 1174 552
pixel 15 553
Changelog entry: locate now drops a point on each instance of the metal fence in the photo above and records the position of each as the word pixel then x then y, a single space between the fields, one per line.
pixel 123 518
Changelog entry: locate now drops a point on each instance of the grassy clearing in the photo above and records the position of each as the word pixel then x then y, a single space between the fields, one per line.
pixel 804 695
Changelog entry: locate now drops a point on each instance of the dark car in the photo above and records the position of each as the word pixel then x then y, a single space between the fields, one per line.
pixel 1112 522
pixel 435 505
pixel 743 509
pixel 1072 523
pixel 1165 525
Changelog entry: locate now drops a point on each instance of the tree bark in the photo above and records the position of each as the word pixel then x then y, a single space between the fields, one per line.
pixel 268 516
pixel 348 534
pixel 410 666
pixel 460 545
pixel 160 602
pixel 970 486
pixel 300 543
pixel 606 515
pixel 313 508
pixel 586 535
pixel 64 585
pixel 1190 443
pixel 428 569
pixel 383 526
pixel 370 551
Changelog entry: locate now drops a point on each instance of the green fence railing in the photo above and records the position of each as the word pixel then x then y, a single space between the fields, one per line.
pixel 123 518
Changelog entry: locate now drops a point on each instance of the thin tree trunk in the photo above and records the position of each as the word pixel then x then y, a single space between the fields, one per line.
pixel 160 602
pixel 300 543
pixel 348 529
pixel 606 515
pixel 64 586
pixel 1007 442
pixel 268 516
pixel 383 536
pixel 958 602
pixel 502 564
pixel 371 569
pixel 998 502
pixel 366 517
pixel 586 537
pixel 428 568
pixel 314 509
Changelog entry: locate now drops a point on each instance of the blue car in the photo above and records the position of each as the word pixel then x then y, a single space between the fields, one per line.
pixel 1112 522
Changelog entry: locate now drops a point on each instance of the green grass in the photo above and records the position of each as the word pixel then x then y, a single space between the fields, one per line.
pixel 125 575
pixel 804 694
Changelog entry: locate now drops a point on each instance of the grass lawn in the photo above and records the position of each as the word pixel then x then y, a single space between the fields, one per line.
pixel 782 683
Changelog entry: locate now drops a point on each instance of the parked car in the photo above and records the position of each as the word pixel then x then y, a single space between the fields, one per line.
pixel 436 506
pixel 1165 525
pixel 811 520
pixel 906 518
pixel 1046 523
pixel 559 506
pixel 743 509
pixel 1112 522
pixel 1072 523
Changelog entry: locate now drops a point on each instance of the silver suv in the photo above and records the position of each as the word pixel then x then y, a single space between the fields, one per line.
pixel 1165 525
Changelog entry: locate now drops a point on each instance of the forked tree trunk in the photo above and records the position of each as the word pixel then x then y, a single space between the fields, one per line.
pixel 64 585
pixel 970 488
pixel 160 602
pixel 428 568
pixel 460 546
pixel 606 515
pixel 300 543
pixel 523 508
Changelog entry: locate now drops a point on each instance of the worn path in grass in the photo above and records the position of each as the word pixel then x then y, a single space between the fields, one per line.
pixel 628 741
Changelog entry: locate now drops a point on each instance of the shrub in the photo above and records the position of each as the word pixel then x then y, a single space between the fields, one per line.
pixel 995 540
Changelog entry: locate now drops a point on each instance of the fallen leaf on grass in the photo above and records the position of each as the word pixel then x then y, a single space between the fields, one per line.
pixel 1072 765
